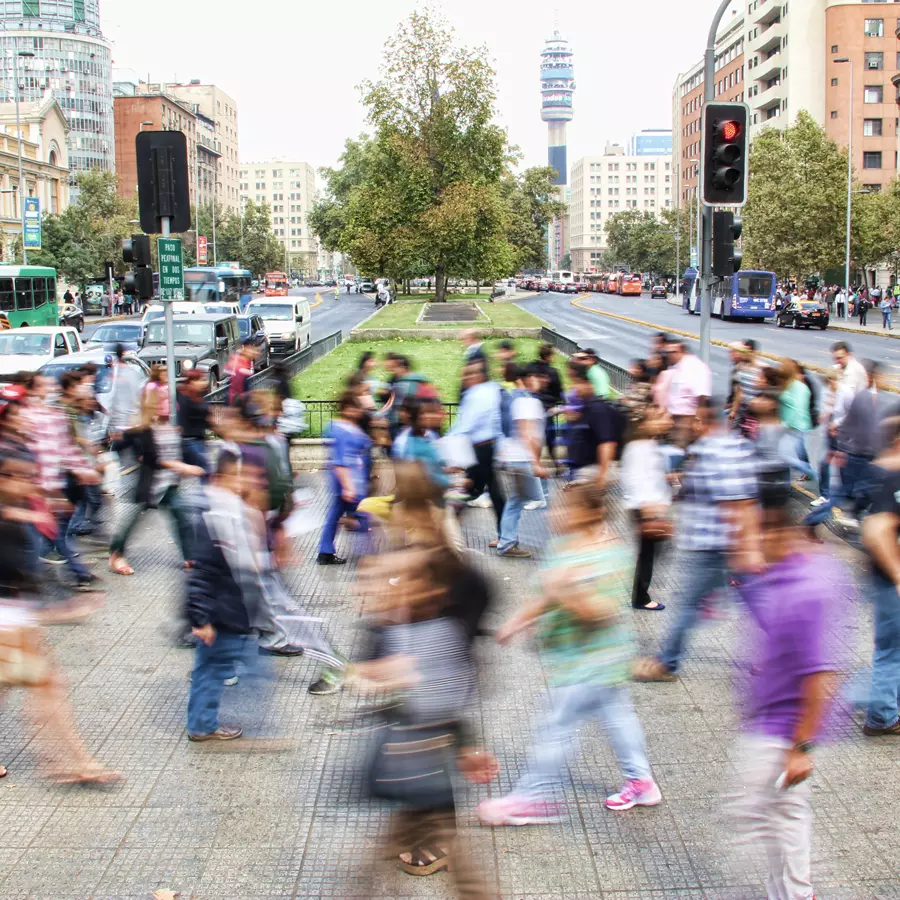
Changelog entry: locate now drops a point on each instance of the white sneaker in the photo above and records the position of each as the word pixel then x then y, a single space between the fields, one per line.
pixel 483 501
pixel 536 504
pixel 819 501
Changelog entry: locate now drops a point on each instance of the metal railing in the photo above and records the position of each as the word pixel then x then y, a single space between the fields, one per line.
pixel 560 341
pixel 618 377
pixel 320 412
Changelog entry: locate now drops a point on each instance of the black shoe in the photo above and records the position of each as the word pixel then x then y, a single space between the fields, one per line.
pixel 281 651
pixel 330 559
pixel 52 558
pixel 323 686
pixel 87 583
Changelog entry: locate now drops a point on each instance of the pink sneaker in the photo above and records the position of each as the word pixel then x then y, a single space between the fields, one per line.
pixel 513 810
pixel 637 792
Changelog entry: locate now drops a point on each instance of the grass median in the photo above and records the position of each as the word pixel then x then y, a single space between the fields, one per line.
pixel 405 314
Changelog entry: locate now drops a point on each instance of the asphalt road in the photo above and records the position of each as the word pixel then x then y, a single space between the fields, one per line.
pixel 330 316
pixel 620 342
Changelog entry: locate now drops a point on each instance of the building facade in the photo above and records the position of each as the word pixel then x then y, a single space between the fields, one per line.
pixel 289 188
pixel 651 142
pixel 215 106
pixel 45 165
pixel 70 59
pixel 604 185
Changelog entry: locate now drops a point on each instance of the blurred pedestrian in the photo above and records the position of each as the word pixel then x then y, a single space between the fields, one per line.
pixel 596 374
pixel 551 395
pixel 240 367
pixel 853 374
pixel 193 419
pixel 689 381
pixel 795 410
pixel 593 429
pixel 586 643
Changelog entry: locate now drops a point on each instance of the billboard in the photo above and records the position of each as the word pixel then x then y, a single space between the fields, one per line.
pixel 201 250
pixel 32 236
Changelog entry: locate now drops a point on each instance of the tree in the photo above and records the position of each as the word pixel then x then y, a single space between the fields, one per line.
pixel 252 242
pixel 533 203
pixel 643 241
pixel 794 220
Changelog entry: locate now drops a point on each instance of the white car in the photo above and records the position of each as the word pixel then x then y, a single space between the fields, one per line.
pixel 179 308
pixel 27 349
pixel 223 308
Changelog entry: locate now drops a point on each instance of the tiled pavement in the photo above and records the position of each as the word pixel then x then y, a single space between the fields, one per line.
pixel 230 822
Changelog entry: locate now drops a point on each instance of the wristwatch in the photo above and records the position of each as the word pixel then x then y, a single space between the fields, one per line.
pixel 805 746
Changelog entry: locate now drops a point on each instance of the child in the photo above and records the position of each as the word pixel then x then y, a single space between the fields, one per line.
pixel 587 648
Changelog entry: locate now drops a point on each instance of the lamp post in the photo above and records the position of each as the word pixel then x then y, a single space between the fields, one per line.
pixel 846 59
pixel 24 54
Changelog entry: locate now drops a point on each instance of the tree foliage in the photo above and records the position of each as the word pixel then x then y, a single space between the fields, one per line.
pixel 645 242
pixel 532 204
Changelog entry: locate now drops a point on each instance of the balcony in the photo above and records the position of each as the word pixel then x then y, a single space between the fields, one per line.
pixel 769 97
pixel 768 69
pixel 769 38
pixel 767 11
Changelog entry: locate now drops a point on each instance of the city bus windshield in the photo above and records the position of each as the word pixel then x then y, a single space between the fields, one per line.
pixel 198 286
pixel 754 285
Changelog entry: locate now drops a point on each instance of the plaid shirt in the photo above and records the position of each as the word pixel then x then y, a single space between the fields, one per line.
pixel 53 446
pixel 719 468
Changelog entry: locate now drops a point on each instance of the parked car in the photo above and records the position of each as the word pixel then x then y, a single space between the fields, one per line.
pixel 367 287
pixel 71 315
pixel 252 327
pixel 202 342
pixel 570 288
pixel 658 290
pixel 27 349
pixel 803 314
pixel 106 337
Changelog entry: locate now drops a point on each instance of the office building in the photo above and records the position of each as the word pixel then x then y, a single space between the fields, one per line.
pixel 68 57
pixel 651 142
pixel 45 165
pixel 289 188
pixel 604 185
pixel 214 105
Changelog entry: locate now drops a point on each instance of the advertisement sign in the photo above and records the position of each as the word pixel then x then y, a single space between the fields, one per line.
pixel 32 236
pixel 201 250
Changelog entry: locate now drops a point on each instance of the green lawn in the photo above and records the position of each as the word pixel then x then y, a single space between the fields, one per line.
pixel 453 295
pixel 500 315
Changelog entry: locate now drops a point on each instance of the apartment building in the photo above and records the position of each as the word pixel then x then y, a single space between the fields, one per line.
pixel 603 185
pixel 289 188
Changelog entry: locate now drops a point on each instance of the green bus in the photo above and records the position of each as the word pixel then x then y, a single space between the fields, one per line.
pixel 28 295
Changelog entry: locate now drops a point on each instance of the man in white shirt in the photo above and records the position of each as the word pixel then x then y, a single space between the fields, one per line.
pixel 690 380
pixel 853 374
pixel 840 301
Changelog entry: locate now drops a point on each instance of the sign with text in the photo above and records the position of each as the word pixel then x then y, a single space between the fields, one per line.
pixel 694 257
pixel 201 250
pixel 171 269
pixel 32 236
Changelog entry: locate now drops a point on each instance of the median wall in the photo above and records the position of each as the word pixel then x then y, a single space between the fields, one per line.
pixel 440 333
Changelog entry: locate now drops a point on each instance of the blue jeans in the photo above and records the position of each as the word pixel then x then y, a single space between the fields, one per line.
pixel 886 660
pixel 84 517
pixel 62 546
pixel 858 482
pixel 706 571
pixel 793 451
pixel 523 488
pixel 886 313
pixel 212 665
pixel 559 733
pixel 193 452
pixel 339 507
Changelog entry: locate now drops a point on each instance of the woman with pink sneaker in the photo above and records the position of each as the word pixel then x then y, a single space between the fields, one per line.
pixel 586 643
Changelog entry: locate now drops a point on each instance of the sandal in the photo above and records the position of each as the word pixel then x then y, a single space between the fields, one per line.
pixel 652 606
pixel 91 774
pixel 652 670
pixel 422 861
pixel 118 566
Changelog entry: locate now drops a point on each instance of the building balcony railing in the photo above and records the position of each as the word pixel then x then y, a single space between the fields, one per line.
pixel 769 38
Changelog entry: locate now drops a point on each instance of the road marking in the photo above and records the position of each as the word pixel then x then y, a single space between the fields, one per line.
pixel 773 356
pixel 319 301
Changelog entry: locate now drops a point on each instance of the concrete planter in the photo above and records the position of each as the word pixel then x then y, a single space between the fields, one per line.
pixel 441 333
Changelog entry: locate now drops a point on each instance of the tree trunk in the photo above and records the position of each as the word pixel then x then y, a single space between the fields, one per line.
pixel 440 285
pixel 477 285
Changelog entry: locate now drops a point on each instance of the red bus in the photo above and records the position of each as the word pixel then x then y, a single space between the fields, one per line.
pixel 612 283
pixel 630 284
pixel 276 284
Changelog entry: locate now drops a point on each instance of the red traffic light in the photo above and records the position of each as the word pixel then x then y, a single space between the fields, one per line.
pixel 730 130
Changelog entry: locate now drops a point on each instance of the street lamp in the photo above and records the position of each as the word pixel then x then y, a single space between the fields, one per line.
pixel 25 54
pixel 141 127
pixel 846 59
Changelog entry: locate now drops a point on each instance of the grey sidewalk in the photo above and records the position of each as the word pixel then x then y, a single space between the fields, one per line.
pixel 227 823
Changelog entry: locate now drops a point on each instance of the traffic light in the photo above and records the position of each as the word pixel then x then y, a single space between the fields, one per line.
pixel 726 258
pixel 724 155
pixel 139 281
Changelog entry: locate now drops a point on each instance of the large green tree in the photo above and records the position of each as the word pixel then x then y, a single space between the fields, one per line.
pixel 794 220
pixel 532 203
pixel 643 241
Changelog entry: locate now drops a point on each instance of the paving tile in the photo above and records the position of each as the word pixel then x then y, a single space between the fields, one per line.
pixel 47 874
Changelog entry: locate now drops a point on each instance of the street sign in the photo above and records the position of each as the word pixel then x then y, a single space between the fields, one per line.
pixel 32 236
pixel 201 250
pixel 694 257
pixel 171 269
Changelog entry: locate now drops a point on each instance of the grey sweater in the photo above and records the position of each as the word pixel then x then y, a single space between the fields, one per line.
pixel 859 433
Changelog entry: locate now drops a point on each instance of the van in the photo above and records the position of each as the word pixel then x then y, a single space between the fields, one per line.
pixel 287 322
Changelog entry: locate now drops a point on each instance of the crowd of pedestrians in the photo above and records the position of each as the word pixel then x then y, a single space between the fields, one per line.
pixel 845 303
pixel 550 445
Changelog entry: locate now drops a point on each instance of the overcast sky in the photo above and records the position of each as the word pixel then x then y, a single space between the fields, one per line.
pixel 293 67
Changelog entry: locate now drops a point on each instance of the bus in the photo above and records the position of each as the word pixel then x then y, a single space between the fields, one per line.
pixel 630 284
pixel 28 296
pixel 612 283
pixel 276 284
pixel 218 284
pixel 562 278
pixel 748 294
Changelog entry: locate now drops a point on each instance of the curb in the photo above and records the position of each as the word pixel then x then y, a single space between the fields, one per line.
pixel 885 334
pixel 575 302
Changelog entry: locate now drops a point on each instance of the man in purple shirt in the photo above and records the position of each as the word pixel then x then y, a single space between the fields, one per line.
pixel 793 675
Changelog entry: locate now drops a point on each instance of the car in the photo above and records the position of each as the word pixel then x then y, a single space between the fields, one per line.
pixel 224 308
pixel 287 322
pixel 27 349
pixel 107 336
pixel 104 380
pixel 803 314
pixel 70 314
pixel 570 288
pixel 203 342
pixel 658 290
pixel 179 308
pixel 252 327
pixel 367 287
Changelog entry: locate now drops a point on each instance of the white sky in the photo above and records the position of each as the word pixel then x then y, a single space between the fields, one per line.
pixel 293 66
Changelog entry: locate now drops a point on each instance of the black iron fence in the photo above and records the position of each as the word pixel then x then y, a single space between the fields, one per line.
pixel 618 377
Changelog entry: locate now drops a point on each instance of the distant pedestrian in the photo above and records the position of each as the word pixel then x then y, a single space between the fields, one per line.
pixel 863 308
pixel 886 312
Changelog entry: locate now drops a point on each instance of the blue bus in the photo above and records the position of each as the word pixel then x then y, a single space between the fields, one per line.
pixel 218 284
pixel 747 294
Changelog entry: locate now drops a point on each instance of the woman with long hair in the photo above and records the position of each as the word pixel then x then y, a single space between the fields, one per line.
pixel 794 406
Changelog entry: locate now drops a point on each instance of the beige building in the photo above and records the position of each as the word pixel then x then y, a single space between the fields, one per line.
pixel 45 164
pixel 289 188
pixel 213 104
pixel 603 185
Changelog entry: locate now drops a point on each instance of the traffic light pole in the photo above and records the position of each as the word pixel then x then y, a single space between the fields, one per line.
pixel 172 377
pixel 709 74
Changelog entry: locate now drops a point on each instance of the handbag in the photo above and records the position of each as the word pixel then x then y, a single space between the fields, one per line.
pixel 411 764
pixel 655 524
pixel 23 662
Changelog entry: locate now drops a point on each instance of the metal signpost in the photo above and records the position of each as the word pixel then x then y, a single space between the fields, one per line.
pixel 32 217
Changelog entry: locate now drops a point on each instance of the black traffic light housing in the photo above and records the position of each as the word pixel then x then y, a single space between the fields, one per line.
pixel 163 183
pixel 724 154
pixel 726 258
pixel 139 281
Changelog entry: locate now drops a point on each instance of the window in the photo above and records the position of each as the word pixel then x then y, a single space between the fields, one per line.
pixel 40 292
pixel 873 93
pixel 24 298
pixel 872 188
pixel 872 127
pixel 874 60
pixel 872 160
pixel 834 82
pixel 834 48
pixel 7 297
pixel 874 28
pixel 31 8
